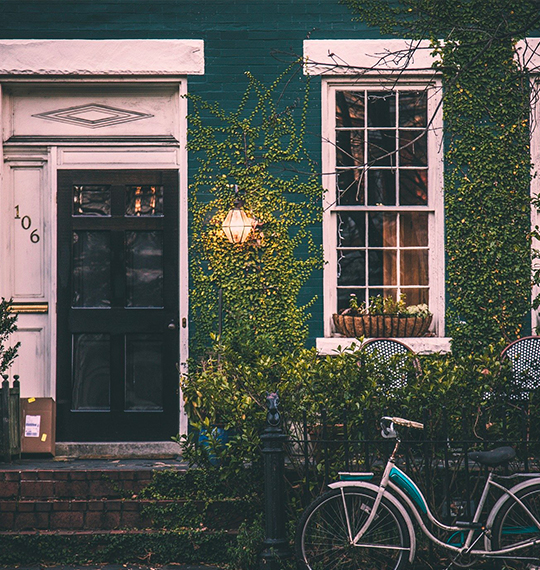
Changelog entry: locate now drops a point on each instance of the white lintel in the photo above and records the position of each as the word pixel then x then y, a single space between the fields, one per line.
pixel 27 58
pixel 345 57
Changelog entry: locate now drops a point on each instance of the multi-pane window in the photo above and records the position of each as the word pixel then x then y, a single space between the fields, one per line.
pixel 382 206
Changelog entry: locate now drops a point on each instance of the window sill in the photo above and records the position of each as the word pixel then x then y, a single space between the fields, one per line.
pixel 420 345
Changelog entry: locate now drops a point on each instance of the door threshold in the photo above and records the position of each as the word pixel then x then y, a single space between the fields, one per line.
pixel 118 450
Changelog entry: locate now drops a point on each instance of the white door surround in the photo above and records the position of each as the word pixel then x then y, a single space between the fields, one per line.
pixel 81 104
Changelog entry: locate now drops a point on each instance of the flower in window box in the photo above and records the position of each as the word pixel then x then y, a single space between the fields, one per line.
pixel 383 317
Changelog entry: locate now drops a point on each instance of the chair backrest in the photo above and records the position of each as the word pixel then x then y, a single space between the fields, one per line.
pixel 524 358
pixel 386 349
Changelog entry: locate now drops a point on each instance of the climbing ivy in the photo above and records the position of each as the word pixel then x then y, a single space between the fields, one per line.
pixel 258 147
pixel 488 168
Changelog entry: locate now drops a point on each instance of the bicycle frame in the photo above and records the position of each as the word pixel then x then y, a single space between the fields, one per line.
pixel 397 485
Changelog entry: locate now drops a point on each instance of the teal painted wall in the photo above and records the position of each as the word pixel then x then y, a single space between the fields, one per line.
pixel 261 36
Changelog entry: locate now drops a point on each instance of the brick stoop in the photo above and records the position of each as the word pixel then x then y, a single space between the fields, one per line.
pixel 87 508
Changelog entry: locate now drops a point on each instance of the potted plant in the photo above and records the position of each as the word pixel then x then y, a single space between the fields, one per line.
pixel 383 317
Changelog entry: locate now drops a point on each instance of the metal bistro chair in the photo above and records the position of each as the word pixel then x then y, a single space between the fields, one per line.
pixel 524 357
pixel 386 349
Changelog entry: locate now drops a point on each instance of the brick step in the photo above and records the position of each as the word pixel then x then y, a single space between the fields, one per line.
pixel 75 484
pixel 188 546
pixel 111 514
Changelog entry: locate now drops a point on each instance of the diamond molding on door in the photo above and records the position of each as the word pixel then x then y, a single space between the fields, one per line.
pixel 93 116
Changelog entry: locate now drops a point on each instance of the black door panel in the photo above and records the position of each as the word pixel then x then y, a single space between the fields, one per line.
pixel 117 295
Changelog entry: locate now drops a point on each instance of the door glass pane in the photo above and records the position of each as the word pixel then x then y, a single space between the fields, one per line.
pixel 144 269
pixel 144 200
pixel 91 200
pixel 91 269
pixel 91 372
pixel 144 372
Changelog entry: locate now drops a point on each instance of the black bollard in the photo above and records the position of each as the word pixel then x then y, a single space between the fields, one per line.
pixel 276 545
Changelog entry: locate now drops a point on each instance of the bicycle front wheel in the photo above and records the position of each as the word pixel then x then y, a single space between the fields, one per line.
pixel 323 537
pixel 513 527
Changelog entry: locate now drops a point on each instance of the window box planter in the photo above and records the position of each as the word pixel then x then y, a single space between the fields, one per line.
pixel 378 326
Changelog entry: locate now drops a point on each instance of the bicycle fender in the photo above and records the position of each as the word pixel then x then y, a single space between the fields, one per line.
pixel 497 507
pixel 399 506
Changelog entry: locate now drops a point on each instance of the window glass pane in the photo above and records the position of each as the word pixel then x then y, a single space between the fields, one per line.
pixel 382 229
pixel 91 372
pixel 144 201
pixel 412 148
pixel 381 109
pixel 344 296
pixel 144 269
pixel 349 148
pixel 351 267
pixel 351 229
pixel 413 187
pixel 413 229
pixel 350 108
pixel 91 201
pixel 382 267
pixel 383 292
pixel 381 187
pixel 91 269
pixel 412 108
pixel 381 148
pixel 417 296
pixel 414 267
pixel 144 372
pixel 350 186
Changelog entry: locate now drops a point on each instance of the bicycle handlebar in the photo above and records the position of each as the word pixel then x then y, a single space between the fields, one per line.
pixel 405 423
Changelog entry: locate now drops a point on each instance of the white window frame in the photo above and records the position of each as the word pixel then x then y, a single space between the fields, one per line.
pixel 373 65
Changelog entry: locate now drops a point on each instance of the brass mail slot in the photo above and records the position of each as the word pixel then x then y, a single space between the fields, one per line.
pixel 29 307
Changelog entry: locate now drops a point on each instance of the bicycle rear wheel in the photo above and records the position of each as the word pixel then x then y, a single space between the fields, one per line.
pixel 512 526
pixel 323 538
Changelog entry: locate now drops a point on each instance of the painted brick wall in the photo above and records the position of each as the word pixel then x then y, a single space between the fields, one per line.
pixel 261 36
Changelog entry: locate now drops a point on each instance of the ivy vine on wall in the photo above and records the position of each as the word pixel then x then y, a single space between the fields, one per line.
pixel 488 169
pixel 258 147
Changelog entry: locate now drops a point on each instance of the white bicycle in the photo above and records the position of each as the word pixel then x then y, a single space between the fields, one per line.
pixel 359 525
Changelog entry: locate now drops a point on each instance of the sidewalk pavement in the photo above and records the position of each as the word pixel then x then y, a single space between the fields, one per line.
pixel 171 566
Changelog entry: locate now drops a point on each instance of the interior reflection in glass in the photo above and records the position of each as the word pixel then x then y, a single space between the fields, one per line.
pixel 91 372
pixel 91 201
pixel 91 269
pixel 144 201
pixel 144 269
pixel 144 368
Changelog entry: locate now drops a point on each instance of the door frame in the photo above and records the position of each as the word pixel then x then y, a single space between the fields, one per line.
pixel 100 158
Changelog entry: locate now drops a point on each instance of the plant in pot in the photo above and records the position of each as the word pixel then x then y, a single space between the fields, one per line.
pixel 383 317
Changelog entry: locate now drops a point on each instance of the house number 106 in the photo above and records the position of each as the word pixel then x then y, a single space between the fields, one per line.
pixel 26 224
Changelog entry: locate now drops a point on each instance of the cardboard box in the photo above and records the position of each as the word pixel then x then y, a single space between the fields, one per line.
pixel 38 430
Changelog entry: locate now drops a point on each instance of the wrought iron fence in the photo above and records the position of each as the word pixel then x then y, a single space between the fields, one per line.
pixel 436 457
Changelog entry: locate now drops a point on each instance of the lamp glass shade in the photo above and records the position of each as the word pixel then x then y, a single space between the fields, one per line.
pixel 237 225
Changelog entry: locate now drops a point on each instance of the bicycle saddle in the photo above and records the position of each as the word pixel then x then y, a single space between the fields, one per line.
pixel 493 458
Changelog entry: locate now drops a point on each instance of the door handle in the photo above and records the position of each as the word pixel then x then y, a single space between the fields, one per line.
pixel 172 326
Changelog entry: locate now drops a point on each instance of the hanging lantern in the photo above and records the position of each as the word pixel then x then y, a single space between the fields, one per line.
pixel 237 224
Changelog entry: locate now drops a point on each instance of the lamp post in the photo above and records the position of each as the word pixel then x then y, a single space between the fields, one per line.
pixel 237 224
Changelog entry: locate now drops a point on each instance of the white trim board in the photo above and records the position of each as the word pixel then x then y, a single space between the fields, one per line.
pixel 156 58
pixel 358 57
pixel 419 345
